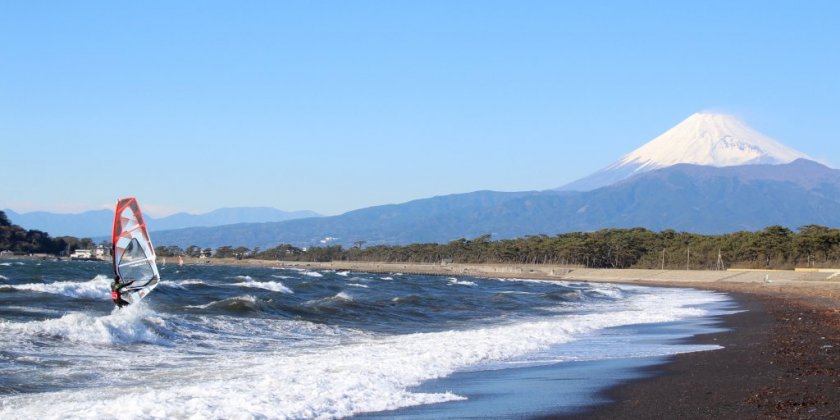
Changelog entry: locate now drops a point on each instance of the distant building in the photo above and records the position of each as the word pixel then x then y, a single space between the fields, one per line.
pixel 82 254
pixel 102 252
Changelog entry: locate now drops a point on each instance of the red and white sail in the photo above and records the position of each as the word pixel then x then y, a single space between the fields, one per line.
pixel 133 253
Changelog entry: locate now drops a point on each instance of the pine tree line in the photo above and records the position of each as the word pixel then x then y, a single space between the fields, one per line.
pixel 773 247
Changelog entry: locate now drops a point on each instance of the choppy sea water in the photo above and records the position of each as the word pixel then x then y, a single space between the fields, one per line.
pixel 234 342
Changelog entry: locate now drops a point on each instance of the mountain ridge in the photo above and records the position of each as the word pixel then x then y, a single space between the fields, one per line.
pixel 695 198
pixel 97 223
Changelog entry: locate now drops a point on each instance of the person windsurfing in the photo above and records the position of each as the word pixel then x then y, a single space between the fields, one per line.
pixel 116 291
pixel 132 255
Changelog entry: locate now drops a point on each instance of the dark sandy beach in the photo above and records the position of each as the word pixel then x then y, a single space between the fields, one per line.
pixel 781 359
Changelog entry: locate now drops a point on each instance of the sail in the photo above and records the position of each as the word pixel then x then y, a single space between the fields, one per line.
pixel 133 253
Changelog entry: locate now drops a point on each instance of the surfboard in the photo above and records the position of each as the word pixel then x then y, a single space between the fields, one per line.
pixel 133 253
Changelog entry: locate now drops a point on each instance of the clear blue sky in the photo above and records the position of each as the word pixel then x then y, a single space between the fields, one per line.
pixel 333 106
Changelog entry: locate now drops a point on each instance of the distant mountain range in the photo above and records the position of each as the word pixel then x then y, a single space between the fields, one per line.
pixel 683 197
pixel 97 223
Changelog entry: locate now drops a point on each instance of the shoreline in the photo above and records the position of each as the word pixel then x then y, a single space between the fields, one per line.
pixel 781 357
pixel 774 363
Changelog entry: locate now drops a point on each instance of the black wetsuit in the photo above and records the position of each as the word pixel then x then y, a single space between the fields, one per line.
pixel 116 293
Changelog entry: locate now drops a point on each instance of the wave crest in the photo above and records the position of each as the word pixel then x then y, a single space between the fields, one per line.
pixel 274 286
pixel 97 288
pixel 132 324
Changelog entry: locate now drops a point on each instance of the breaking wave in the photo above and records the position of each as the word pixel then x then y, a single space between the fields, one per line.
pixel 453 281
pixel 98 288
pixel 274 286
pixel 133 324
pixel 236 304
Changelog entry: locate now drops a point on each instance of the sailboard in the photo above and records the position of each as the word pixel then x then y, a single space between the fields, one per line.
pixel 133 253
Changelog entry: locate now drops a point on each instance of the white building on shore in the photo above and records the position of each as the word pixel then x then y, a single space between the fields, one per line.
pixel 82 254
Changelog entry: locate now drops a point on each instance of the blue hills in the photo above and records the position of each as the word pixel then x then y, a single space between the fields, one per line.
pixel 683 197
pixel 97 223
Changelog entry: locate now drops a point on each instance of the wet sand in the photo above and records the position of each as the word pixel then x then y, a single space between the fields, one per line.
pixel 781 359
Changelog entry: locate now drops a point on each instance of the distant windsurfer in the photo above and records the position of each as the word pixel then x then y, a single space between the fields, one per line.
pixel 116 291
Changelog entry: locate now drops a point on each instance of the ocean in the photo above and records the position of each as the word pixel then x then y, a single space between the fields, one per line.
pixel 257 342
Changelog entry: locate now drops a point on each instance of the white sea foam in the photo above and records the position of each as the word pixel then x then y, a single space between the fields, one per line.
pixel 190 282
pixel 277 276
pixel 172 284
pixel 609 292
pixel 227 333
pixel 5 264
pixel 343 296
pixel 274 286
pixel 2 277
pixel 32 310
pixel 98 288
pixel 531 280
pixel 365 375
pixel 358 285
pixel 386 278
pixel 453 282
pixel 312 274
pixel 342 273
pixel 132 324
pixel 179 284
pixel 246 299
pixel 338 297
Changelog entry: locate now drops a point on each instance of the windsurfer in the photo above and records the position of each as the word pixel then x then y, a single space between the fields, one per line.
pixel 116 291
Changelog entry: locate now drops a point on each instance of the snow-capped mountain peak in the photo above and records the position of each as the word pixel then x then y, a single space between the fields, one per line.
pixel 711 140
pixel 704 138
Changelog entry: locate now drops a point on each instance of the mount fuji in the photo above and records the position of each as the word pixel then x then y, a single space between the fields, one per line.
pixel 704 139
pixel 709 174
